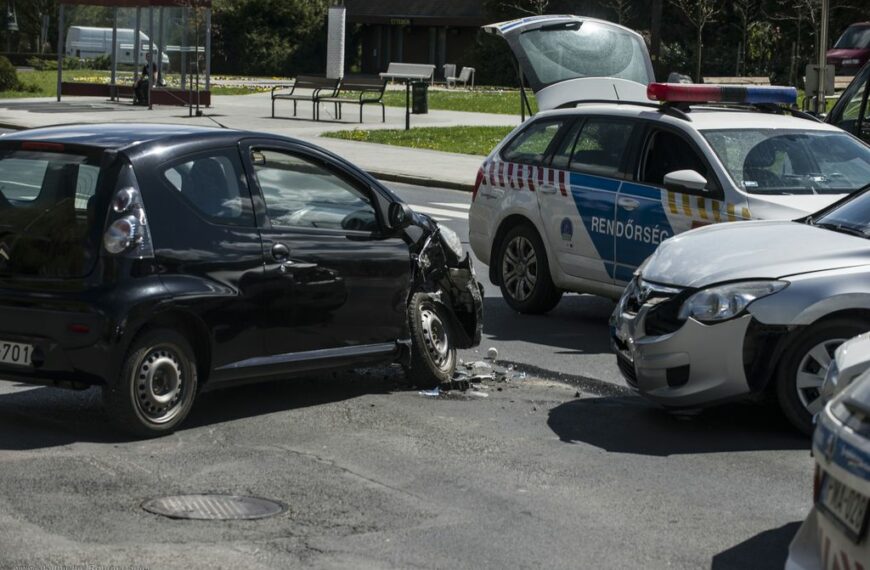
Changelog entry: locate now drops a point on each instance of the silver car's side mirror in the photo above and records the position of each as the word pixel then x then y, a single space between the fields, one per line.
pixel 685 180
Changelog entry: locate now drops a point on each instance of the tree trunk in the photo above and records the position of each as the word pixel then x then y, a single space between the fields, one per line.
pixel 698 49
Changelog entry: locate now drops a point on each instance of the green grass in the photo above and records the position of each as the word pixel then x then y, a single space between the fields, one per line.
pixel 505 102
pixel 464 140
pixel 44 83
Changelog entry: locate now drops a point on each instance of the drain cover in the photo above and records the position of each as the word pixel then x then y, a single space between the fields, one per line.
pixel 213 507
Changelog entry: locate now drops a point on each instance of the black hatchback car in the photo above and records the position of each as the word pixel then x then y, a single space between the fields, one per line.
pixel 158 261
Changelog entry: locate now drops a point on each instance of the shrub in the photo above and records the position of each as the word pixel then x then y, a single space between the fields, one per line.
pixel 8 75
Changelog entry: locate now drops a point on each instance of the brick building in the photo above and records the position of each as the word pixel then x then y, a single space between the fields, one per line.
pixel 411 31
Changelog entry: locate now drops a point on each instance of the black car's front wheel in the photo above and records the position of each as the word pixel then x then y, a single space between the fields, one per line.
pixel 157 386
pixel 433 352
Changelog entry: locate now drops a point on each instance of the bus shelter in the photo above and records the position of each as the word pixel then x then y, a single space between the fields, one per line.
pixel 178 39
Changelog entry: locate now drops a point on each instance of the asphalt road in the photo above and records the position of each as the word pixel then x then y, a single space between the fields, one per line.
pixel 536 474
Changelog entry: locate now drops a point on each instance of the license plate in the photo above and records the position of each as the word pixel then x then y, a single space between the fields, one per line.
pixel 845 505
pixel 15 353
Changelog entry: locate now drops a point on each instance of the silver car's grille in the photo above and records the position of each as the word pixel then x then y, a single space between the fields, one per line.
pixel 642 293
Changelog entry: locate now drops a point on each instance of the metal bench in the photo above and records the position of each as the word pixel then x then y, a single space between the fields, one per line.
pixel 371 92
pixel 306 88
pixel 466 75
pixel 396 70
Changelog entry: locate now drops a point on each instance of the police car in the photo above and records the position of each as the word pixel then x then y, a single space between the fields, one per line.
pixel 577 197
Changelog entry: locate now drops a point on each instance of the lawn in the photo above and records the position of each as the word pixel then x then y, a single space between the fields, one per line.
pixel 44 83
pixel 464 140
pixel 504 101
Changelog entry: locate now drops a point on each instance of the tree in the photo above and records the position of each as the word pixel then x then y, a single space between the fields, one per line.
pixel 698 13
pixel 622 8
pixel 747 11
pixel 520 7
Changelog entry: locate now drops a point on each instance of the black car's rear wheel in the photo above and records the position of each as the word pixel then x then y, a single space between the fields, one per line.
pixel 524 273
pixel 433 353
pixel 157 386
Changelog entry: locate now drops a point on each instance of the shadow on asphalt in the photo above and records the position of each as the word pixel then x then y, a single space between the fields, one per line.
pixel 578 324
pixel 768 549
pixel 628 424
pixel 48 417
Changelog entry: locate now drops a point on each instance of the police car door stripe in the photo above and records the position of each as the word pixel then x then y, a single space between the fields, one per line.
pixel 687 205
pixel 672 203
pixel 563 182
pixel 702 208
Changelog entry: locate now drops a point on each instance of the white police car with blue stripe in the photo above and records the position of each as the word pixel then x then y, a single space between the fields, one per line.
pixel 577 197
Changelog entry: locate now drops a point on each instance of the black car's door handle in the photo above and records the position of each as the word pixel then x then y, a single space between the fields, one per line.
pixel 280 252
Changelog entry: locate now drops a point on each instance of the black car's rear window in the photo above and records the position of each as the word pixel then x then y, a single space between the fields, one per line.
pixel 47 214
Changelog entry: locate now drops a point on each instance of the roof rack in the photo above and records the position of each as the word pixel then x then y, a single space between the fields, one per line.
pixel 667 109
pixel 774 108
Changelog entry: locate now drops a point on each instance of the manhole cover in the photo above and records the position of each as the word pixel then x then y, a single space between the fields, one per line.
pixel 213 507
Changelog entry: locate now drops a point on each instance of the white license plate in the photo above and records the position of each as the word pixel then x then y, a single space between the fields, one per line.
pixel 847 506
pixel 15 353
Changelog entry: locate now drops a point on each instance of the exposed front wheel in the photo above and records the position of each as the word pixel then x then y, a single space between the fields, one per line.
pixel 433 353
pixel 804 365
pixel 157 386
pixel 524 273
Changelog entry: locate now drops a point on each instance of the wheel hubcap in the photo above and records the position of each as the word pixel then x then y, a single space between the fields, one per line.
pixel 519 268
pixel 159 385
pixel 811 373
pixel 435 336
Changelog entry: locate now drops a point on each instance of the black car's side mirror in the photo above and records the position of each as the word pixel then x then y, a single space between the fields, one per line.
pixel 399 215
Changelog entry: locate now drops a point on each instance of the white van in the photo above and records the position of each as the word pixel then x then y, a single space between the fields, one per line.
pixel 87 42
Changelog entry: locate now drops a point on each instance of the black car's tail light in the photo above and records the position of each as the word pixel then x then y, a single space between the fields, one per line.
pixel 128 233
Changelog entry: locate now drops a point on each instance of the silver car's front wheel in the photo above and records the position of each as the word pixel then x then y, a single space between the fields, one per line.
pixel 811 373
pixel 804 364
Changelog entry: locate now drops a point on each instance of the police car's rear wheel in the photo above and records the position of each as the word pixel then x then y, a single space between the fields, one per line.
pixel 804 365
pixel 525 279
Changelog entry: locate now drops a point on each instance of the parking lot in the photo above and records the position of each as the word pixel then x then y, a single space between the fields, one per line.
pixel 563 468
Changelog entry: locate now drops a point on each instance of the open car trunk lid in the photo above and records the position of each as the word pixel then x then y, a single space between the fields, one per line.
pixel 567 59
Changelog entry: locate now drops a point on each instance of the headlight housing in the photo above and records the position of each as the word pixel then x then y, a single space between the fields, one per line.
pixel 832 379
pixel 724 302
pixel 451 241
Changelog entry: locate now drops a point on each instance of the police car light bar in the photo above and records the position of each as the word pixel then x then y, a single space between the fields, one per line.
pixel 751 95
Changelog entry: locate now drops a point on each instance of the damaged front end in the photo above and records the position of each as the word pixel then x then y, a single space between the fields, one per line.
pixel 445 270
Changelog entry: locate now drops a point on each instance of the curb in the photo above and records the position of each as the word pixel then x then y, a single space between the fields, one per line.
pixel 388 176
pixel 420 181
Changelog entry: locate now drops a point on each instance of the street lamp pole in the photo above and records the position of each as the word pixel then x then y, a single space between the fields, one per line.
pixel 821 105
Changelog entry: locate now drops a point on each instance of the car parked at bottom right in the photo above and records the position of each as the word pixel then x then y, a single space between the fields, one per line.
pixel 748 310
pixel 834 534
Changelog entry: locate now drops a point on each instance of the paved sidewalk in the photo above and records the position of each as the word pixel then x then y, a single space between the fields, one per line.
pixel 252 112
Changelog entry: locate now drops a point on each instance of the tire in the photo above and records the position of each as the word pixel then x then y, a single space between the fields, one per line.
pixel 157 386
pixel 803 367
pixel 433 354
pixel 524 272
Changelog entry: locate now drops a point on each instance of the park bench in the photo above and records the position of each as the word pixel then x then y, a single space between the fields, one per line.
pixel 371 92
pixel 396 70
pixel 466 75
pixel 306 88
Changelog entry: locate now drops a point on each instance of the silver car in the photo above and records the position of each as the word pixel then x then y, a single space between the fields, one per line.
pixel 748 309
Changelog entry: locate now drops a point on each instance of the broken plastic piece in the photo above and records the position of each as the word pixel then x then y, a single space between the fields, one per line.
pixel 433 393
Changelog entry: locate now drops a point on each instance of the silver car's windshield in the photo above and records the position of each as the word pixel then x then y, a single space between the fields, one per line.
pixel 851 217
pixel 779 161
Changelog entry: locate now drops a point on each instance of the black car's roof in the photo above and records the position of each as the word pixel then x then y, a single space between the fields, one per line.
pixel 119 135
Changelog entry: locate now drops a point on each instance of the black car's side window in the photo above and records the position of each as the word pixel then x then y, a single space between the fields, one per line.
pixel 531 145
pixel 668 152
pixel 212 184
pixel 301 193
pixel 600 147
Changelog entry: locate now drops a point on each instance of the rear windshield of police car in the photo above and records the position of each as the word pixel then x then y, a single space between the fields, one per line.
pixel 47 214
pixel 781 162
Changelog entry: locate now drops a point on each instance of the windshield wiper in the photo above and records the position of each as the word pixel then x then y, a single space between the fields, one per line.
pixel 843 229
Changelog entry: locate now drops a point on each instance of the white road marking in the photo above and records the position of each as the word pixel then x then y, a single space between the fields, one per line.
pixel 457 205
pixel 441 212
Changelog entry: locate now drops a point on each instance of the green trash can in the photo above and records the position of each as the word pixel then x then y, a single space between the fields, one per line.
pixel 419 97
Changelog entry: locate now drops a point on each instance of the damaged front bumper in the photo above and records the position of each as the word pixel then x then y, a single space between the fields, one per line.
pixel 464 298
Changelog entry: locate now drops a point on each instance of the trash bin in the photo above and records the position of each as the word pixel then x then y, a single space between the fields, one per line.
pixel 419 97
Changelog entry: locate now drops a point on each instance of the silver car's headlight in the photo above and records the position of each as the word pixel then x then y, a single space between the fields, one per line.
pixel 724 302
pixel 452 241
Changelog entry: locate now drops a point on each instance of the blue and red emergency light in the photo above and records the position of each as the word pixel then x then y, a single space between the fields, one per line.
pixel 748 95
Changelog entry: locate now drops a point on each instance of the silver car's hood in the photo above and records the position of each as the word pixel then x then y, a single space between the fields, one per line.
pixel 752 250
